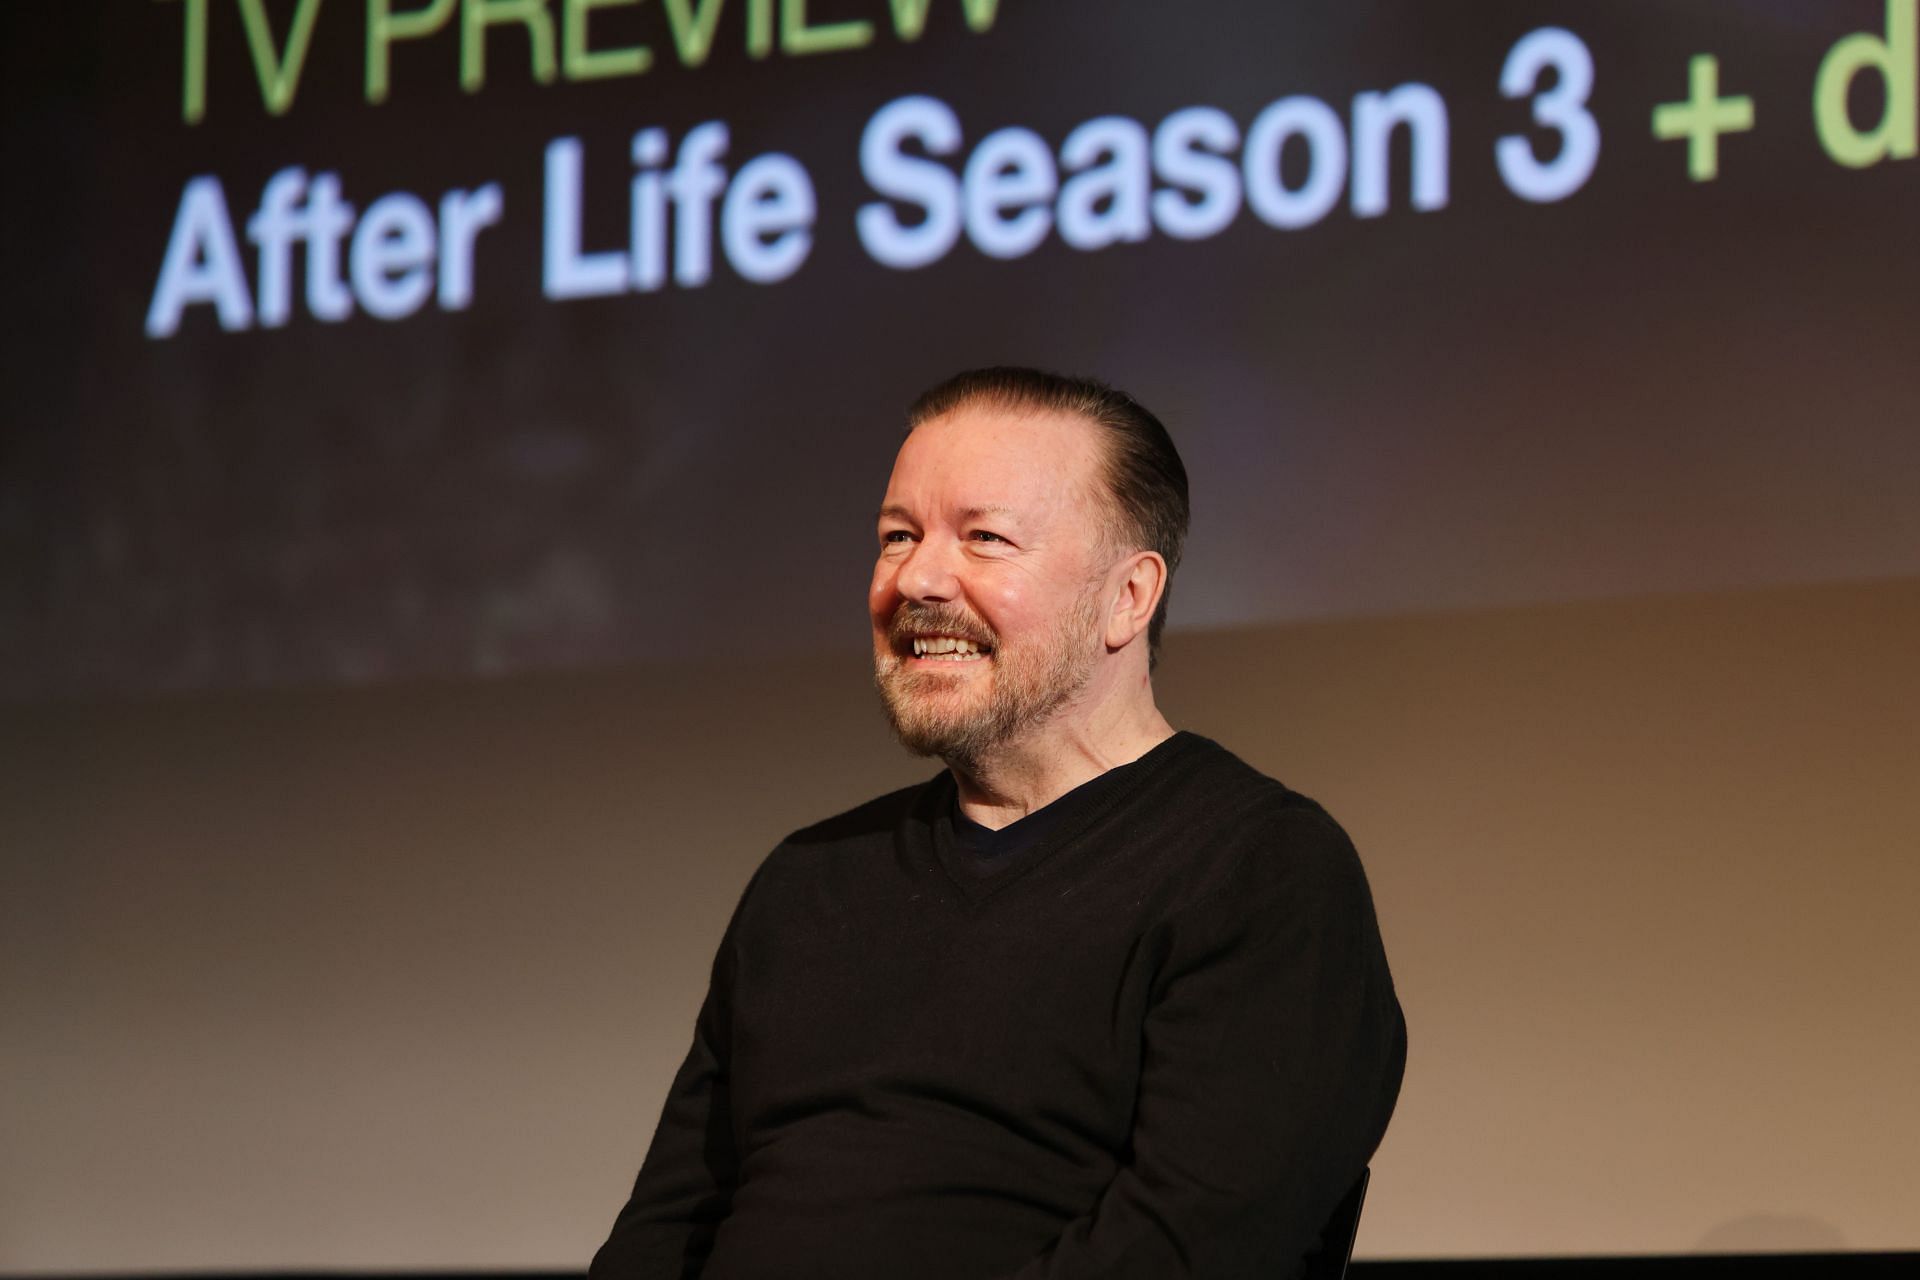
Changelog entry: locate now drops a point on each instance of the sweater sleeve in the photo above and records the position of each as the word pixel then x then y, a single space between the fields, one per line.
pixel 1272 1055
pixel 685 1186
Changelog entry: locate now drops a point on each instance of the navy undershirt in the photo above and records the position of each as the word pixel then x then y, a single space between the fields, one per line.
pixel 984 844
pixel 982 851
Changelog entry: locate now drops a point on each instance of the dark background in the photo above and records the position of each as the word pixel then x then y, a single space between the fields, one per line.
pixel 1654 385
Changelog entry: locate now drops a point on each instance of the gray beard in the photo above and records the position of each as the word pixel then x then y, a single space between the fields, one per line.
pixel 1027 691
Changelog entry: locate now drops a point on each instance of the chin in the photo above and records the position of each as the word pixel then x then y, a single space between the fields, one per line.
pixel 931 714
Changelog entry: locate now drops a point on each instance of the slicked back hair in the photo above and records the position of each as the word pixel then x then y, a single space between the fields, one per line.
pixel 1146 480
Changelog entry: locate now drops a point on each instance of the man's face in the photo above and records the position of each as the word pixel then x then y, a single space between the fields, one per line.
pixel 987 594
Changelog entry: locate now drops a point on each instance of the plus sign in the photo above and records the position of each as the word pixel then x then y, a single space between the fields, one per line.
pixel 1702 118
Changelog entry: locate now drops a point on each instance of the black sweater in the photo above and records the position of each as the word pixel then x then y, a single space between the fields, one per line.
pixel 1161 1042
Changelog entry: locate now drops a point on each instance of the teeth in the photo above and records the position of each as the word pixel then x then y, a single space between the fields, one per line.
pixel 950 648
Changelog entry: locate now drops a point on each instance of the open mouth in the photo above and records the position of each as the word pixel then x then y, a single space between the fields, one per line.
pixel 949 649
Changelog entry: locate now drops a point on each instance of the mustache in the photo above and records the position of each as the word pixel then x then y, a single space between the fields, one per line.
pixel 913 618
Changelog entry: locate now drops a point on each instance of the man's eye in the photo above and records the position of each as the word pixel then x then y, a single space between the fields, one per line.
pixel 896 535
pixel 983 535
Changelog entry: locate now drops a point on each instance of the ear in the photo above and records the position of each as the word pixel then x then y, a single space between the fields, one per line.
pixel 1143 580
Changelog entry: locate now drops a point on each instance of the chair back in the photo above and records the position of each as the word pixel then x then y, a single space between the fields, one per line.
pixel 1329 1261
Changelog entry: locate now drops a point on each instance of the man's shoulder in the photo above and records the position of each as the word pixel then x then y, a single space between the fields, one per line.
pixel 1241 822
pixel 1233 791
pixel 843 853
pixel 877 819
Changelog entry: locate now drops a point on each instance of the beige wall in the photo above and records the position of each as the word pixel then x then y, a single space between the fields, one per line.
pixel 397 977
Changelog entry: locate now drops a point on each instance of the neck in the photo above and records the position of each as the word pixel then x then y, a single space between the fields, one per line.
pixel 1052 759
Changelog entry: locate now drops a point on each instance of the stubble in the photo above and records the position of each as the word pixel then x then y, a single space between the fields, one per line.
pixel 1030 682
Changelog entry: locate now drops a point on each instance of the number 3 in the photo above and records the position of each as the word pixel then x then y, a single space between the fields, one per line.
pixel 1562 108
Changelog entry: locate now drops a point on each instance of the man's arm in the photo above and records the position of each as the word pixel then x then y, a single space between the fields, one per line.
pixel 685 1186
pixel 1272 1056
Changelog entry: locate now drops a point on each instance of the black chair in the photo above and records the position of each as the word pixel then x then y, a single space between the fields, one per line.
pixel 1329 1261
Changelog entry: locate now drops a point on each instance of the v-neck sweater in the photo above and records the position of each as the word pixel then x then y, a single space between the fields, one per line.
pixel 1160 1042
pixel 976 851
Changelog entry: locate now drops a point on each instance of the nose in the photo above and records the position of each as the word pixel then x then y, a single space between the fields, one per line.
pixel 926 575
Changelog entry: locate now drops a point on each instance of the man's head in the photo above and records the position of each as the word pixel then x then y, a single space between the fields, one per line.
pixel 1027 535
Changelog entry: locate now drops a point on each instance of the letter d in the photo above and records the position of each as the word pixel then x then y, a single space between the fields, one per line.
pixel 1893 58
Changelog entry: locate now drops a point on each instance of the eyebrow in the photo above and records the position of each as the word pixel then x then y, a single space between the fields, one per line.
pixel 897 512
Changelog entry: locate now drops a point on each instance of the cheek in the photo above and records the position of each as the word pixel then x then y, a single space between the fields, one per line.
pixel 1009 596
pixel 882 599
pixel 1007 616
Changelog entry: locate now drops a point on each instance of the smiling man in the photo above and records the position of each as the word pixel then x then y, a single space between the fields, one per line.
pixel 1098 1000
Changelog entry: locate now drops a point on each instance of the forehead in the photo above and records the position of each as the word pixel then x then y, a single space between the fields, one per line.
pixel 1029 462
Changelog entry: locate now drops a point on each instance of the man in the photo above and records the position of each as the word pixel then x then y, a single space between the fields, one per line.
pixel 1097 1001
